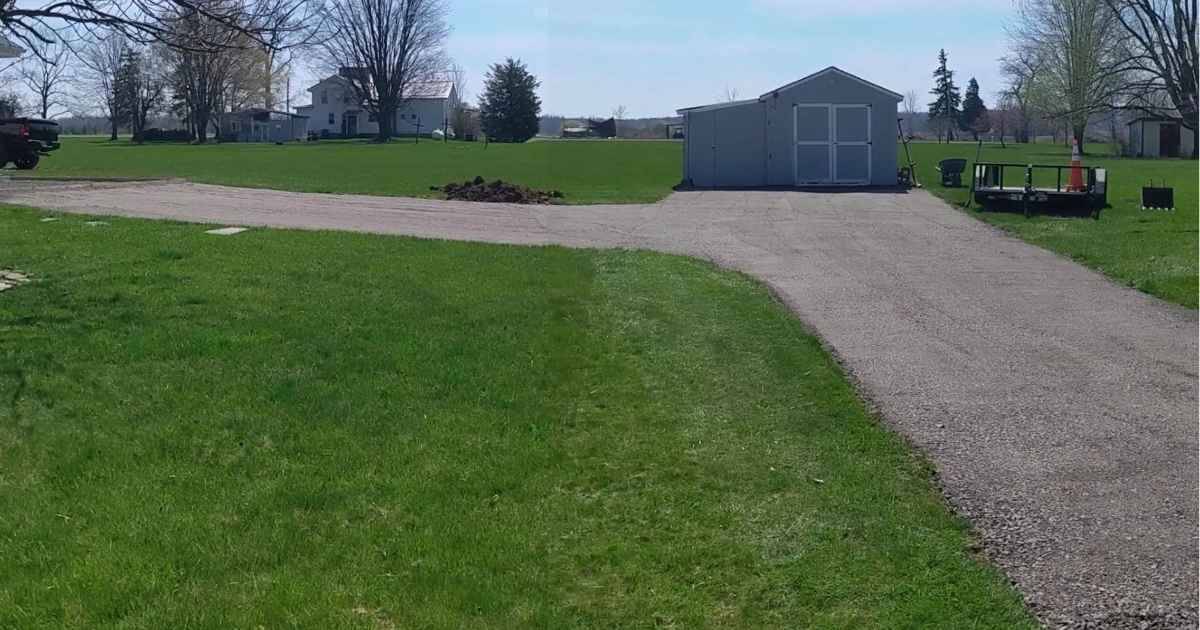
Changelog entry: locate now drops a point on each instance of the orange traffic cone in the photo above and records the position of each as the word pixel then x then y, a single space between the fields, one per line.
pixel 1076 183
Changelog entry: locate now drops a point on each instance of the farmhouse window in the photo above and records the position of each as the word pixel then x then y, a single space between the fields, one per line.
pixel 331 118
pixel 324 97
pixel 371 117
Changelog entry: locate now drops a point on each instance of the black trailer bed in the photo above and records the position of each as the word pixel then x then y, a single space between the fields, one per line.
pixel 1028 187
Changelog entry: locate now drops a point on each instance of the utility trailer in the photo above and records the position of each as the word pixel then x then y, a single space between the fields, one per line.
pixel 1030 186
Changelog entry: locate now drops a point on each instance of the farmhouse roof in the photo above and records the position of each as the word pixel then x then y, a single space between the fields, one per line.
pixel 426 89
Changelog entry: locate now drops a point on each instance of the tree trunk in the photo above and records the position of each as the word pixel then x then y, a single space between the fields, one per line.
pixel 201 128
pixel 387 122
pixel 1078 132
pixel 113 137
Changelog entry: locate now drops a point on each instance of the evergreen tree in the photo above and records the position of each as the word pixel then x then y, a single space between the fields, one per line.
pixel 943 112
pixel 974 113
pixel 509 107
pixel 125 86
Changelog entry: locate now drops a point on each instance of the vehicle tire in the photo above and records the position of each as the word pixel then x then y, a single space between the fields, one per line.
pixel 26 162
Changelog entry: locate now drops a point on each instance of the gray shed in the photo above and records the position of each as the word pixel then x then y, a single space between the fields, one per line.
pixel 830 128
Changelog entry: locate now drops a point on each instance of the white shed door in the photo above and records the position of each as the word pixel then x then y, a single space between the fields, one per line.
pixel 813 133
pixel 852 144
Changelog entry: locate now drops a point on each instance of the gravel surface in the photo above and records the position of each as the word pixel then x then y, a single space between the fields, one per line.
pixel 1059 408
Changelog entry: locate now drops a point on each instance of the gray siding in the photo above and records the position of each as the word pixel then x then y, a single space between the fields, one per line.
pixel 837 90
pixel 752 144
pixel 739 155
pixel 700 141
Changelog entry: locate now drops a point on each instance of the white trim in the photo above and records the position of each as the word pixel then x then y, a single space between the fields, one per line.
pixel 840 72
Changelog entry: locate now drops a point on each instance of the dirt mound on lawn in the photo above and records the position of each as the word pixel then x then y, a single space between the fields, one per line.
pixel 498 192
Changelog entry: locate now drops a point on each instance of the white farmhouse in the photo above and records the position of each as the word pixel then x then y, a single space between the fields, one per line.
pixel 335 110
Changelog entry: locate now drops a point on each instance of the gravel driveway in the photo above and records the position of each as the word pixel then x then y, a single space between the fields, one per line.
pixel 1059 408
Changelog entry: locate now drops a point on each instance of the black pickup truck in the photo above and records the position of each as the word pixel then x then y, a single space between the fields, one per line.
pixel 24 140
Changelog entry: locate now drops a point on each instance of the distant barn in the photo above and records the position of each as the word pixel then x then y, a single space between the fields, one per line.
pixel 590 128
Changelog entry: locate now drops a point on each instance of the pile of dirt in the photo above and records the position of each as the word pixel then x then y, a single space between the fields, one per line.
pixel 498 192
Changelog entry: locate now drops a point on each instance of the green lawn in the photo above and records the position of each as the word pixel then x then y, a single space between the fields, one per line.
pixel 328 430
pixel 1155 252
pixel 586 172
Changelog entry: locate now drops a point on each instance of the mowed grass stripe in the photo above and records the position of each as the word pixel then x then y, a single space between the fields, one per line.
pixel 291 429
pixel 585 172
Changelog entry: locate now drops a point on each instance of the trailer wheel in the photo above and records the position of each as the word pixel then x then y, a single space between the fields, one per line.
pixel 26 162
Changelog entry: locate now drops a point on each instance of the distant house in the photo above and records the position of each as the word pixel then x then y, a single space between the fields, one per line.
pixel 336 110
pixel 1156 137
pixel 590 128
pixel 676 131
pixel 262 125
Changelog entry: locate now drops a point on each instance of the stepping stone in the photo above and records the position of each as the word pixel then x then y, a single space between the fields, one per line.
pixel 10 279
pixel 227 231
pixel 49 219
pixel 95 223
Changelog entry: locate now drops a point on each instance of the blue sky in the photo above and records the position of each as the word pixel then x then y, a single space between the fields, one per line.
pixel 654 56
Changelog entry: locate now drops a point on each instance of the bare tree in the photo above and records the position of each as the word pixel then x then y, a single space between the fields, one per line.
pixel 207 81
pixel 910 109
pixel 1021 69
pixel 44 75
pixel 385 49
pixel 101 65
pixel 266 22
pixel 142 84
pixel 730 95
pixel 461 119
pixel 1078 42
pixel 1160 58
pixel 10 105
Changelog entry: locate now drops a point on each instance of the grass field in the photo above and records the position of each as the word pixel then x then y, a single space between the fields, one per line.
pixel 586 172
pixel 323 430
pixel 1155 252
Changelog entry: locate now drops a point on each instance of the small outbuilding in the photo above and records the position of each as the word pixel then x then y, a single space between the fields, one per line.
pixel 1160 138
pixel 830 128
pixel 262 125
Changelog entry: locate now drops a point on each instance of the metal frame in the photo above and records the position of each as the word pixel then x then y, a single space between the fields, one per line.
pixel 832 143
pixel 1094 196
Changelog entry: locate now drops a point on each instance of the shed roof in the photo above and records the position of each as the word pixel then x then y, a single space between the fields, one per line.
pixel 815 75
pixel 842 73
pixel 1140 119
pixel 715 106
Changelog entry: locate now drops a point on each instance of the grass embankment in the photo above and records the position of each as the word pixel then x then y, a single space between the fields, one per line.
pixel 320 430
pixel 586 172
pixel 1155 252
